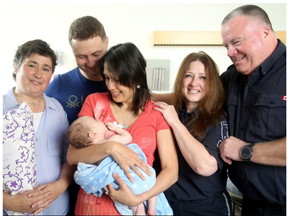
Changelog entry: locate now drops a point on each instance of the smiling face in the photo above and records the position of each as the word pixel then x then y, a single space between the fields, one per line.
pixel 120 93
pixel 87 54
pixel 193 86
pixel 33 75
pixel 244 39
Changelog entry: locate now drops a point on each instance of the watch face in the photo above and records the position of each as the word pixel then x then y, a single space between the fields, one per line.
pixel 246 153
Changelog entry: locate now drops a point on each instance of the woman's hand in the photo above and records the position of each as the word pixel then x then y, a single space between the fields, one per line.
pixel 127 158
pixel 230 149
pixel 52 191
pixel 168 111
pixel 123 195
pixel 27 203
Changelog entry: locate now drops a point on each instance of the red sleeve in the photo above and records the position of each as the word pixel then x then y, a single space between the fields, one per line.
pixel 162 124
pixel 88 106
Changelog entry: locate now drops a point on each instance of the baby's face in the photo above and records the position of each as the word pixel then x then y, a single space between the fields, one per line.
pixel 97 126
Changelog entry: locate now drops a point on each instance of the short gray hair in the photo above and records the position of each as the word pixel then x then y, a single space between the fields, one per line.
pixel 250 11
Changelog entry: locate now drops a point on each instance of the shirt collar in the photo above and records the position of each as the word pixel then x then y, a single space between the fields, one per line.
pixel 183 109
pixel 49 104
pixel 183 114
pixel 266 66
pixel 12 103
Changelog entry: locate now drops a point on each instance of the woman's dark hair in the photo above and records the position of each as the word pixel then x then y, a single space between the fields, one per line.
pixel 126 64
pixel 33 47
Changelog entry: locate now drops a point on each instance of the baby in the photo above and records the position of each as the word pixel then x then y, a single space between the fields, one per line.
pixel 86 131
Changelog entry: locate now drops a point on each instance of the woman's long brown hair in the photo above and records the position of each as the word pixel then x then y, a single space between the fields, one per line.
pixel 210 109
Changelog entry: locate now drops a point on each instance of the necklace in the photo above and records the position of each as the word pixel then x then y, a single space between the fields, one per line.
pixel 124 125
pixel 33 104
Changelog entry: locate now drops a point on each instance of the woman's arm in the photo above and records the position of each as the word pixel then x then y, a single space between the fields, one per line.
pixel 52 189
pixel 89 154
pixel 194 152
pixel 169 163
pixel 40 198
pixel 122 154
pixel 167 176
pixel 20 202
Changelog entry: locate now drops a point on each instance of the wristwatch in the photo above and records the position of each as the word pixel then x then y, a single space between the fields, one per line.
pixel 247 152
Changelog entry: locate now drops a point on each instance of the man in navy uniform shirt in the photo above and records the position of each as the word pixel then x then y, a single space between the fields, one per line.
pixel 256 105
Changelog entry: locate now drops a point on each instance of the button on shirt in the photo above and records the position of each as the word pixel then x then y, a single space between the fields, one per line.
pixel 51 147
pixel 256 108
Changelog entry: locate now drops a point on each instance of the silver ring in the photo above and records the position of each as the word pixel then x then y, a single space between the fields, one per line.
pixel 132 167
pixel 107 192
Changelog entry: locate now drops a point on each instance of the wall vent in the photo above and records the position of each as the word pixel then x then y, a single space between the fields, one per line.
pixel 195 38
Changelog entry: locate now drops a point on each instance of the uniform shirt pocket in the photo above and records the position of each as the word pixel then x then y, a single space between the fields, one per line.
pixel 271 115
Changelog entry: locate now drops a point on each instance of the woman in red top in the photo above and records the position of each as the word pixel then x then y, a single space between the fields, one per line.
pixel 128 103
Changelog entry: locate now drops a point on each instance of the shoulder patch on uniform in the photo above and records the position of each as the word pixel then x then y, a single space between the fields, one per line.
pixel 224 130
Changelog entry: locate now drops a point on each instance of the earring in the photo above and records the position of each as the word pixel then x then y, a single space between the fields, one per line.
pixel 138 86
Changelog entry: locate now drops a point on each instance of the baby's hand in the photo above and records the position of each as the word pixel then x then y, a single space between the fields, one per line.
pixel 111 126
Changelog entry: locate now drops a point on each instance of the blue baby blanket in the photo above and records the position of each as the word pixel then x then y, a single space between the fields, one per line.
pixel 93 178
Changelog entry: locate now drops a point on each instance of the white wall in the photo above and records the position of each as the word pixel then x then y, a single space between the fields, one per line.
pixel 123 22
